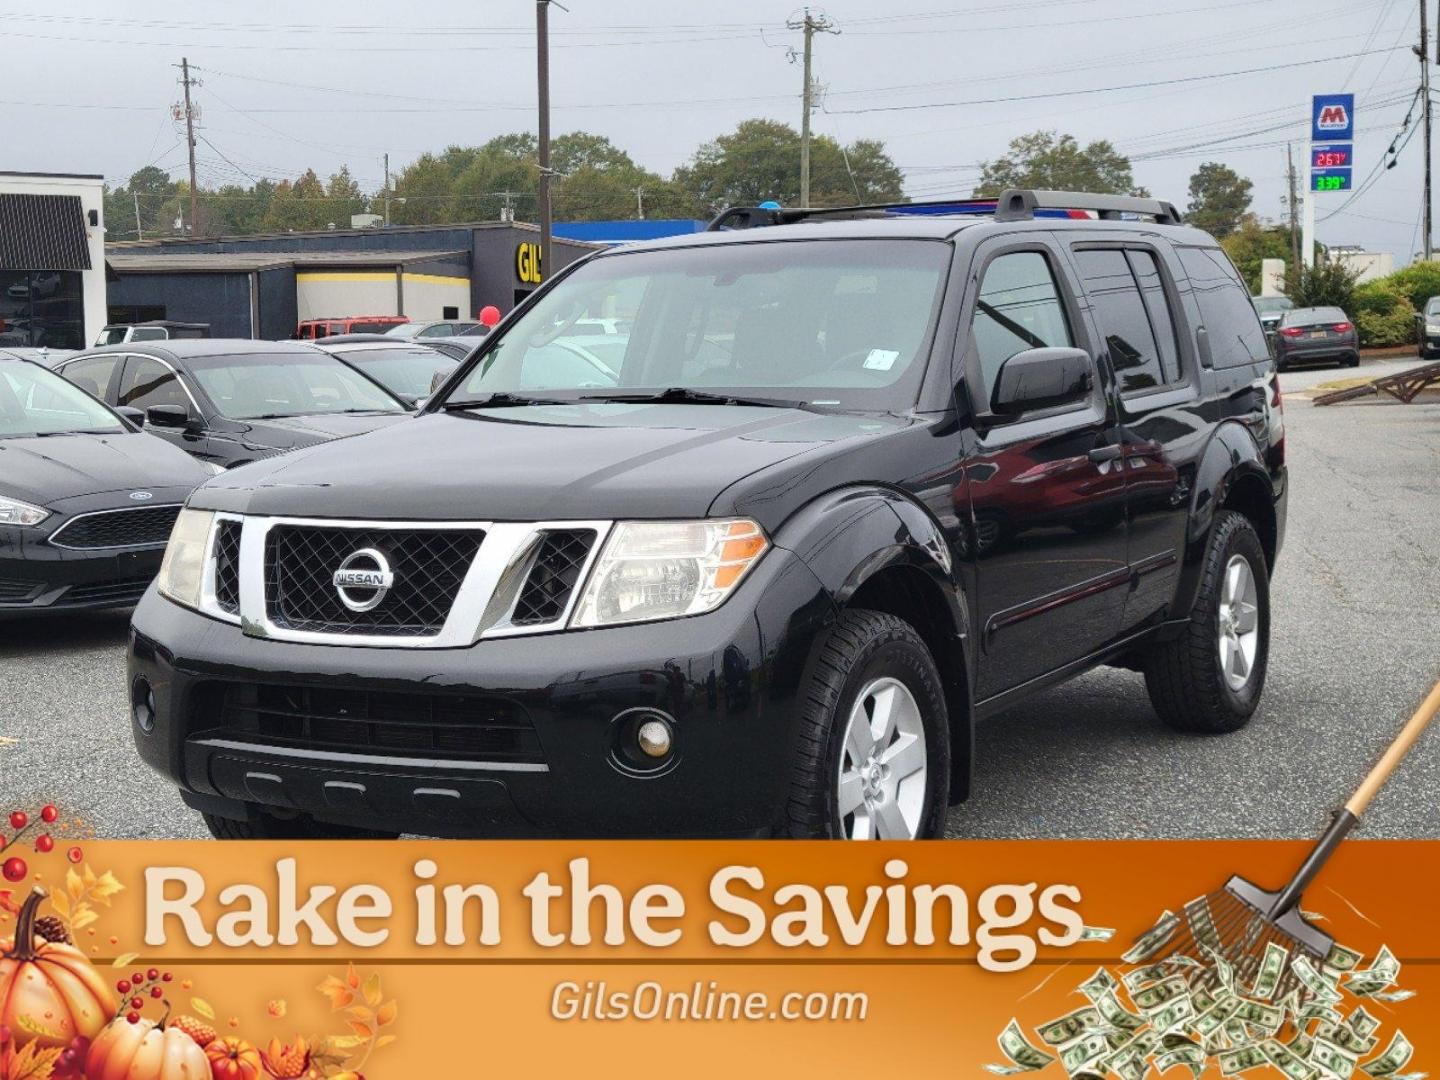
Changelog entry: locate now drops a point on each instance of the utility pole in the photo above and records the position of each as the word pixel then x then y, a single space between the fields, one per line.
pixel 190 141
pixel 1423 52
pixel 387 191
pixel 139 233
pixel 1294 210
pixel 810 25
pixel 542 65
pixel 639 204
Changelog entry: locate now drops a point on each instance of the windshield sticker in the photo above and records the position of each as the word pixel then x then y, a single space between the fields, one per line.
pixel 881 359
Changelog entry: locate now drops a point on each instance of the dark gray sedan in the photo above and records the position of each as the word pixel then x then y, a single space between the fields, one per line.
pixel 1313 335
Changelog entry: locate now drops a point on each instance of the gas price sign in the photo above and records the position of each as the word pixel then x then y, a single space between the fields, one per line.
pixel 1332 156
pixel 1332 151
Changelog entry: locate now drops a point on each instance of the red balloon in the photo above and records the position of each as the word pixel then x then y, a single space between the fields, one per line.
pixel 489 315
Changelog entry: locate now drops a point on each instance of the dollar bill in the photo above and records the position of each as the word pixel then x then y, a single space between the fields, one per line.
pixel 1313 981
pixel 1342 959
pixel 1380 975
pixel 1069 1027
pixel 1361 1022
pixel 1391 996
pixel 1346 1037
pixel 1083 1052
pixel 1267 1017
pixel 1162 993
pixel 1302 1044
pixel 1213 1019
pixel 1128 1063
pixel 1223 971
pixel 1287 1061
pixel 1102 982
pixel 1097 933
pixel 1023 1057
pixel 1191 1056
pixel 1233 1062
pixel 1173 1015
pixel 1272 966
pixel 1149 973
pixel 1396 1056
pixel 1333 1059
pixel 1115 1014
pixel 1153 940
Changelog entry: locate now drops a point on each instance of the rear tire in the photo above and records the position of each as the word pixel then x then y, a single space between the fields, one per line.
pixel 1353 361
pixel 874 709
pixel 1209 679
pixel 268 827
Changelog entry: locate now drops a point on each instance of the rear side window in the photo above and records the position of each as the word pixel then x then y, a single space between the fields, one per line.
pixel 1230 321
pixel 1018 308
pixel 1137 329
pixel 92 375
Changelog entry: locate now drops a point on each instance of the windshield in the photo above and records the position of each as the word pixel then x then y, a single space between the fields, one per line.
pixel 830 322
pixel 36 401
pixel 407 372
pixel 1270 305
pixel 111 335
pixel 252 386
pixel 1432 306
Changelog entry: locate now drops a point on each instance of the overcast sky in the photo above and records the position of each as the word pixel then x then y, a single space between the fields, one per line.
pixel 88 85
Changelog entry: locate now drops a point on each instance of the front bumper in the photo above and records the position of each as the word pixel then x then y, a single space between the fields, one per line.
pixel 728 679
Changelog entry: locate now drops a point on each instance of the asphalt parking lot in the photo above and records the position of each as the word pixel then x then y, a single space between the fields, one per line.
pixel 1355 644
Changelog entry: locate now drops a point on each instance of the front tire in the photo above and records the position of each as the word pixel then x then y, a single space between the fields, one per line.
pixel 873 757
pixel 1209 679
pixel 269 827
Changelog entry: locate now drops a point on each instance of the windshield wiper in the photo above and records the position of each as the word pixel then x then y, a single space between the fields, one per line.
pixel 683 395
pixel 500 399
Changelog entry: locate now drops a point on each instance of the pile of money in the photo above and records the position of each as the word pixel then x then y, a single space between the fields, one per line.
pixel 1199 1011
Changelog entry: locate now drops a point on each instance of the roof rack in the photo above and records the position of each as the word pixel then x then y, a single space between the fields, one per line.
pixel 1013 204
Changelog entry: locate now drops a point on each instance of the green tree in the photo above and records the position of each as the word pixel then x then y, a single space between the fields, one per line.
pixel 1047 159
pixel 1251 244
pixel 760 160
pixel 151 188
pixel 1219 199
pixel 427 186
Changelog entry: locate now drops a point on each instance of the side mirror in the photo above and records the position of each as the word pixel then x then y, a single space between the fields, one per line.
pixel 1041 379
pixel 175 417
pixel 134 415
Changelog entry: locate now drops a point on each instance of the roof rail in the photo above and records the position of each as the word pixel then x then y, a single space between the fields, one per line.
pixel 1014 204
pixel 1020 204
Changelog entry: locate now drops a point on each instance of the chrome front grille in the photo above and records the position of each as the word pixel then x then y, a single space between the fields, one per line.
pixel 147 526
pixel 428 566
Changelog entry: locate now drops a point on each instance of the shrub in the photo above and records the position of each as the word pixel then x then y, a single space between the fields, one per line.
pixel 1326 284
pixel 1383 314
pixel 1418 282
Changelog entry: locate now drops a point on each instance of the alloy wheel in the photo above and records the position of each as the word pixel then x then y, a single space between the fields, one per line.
pixel 1239 622
pixel 884 766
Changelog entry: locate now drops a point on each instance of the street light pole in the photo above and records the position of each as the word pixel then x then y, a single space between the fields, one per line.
pixel 542 50
pixel 1423 52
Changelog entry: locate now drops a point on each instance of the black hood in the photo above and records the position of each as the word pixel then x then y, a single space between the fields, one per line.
pixel 570 462
pixel 289 432
pixel 58 467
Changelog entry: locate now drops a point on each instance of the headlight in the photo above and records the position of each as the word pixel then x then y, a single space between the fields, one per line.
pixel 15 512
pixel 183 569
pixel 661 570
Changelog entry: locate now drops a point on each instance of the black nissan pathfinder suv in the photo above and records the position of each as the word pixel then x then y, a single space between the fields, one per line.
pixel 856 481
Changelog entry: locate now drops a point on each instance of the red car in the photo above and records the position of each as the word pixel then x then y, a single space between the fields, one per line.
pixel 311 329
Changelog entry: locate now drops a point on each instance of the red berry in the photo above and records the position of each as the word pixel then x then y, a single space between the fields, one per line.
pixel 19 819
pixel 133 1017
pixel 123 986
pixel 166 977
pixel 137 1003
pixel 68 1058
pixel 14 869
pixel 152 974
pixel 48 813
pixel 75 854
pixel 44 843
pixel 157 992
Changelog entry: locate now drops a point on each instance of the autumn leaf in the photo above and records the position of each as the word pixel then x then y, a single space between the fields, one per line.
pixel 105 888
pixel 361 1013
pixel 73 885
pixel 88 876
pixel 386 1014
pixel 203 1007
pixel 83 917
pixel 339 994
pixel 124 959
pixel 372 990
pixel 33 1063
pixel 277 1008
pixel 352 977
pixel 383 1041
pixel 343 1042
pixel 365 1031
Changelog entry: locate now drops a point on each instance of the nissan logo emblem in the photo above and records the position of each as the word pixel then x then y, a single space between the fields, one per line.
pixel 367 573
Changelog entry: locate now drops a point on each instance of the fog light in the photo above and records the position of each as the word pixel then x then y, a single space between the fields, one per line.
pixel 142 705
pixel 654 738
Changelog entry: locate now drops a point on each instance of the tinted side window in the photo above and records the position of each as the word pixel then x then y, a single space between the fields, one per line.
pixel 1018 308
pixel 1123 320
pixel 92 375
pixel 1157 306
pixel 1229 318
pixel 148 382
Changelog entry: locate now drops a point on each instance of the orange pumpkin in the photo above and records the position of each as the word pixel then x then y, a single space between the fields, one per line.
pixel 145 1051
pixel 233 1059
pixel 51 985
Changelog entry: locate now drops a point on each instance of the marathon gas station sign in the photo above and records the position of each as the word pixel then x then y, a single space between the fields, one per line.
pixel 1332 147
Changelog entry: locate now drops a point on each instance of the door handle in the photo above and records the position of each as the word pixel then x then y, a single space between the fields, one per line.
pixel 1102 454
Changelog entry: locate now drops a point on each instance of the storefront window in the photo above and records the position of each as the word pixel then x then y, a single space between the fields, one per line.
pixel 42 307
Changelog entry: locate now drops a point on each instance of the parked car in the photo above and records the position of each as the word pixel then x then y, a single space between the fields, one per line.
pixel 155 330
pixel 44 356
pixel 1270 308
pixel 36 285
pixel 1315 334
pixel 87 500
pixel 312 329
pixel 439 329
pixel 406 370
pixel 740 589
pixel 456 348
pixel 233 401
pixel 1427 329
